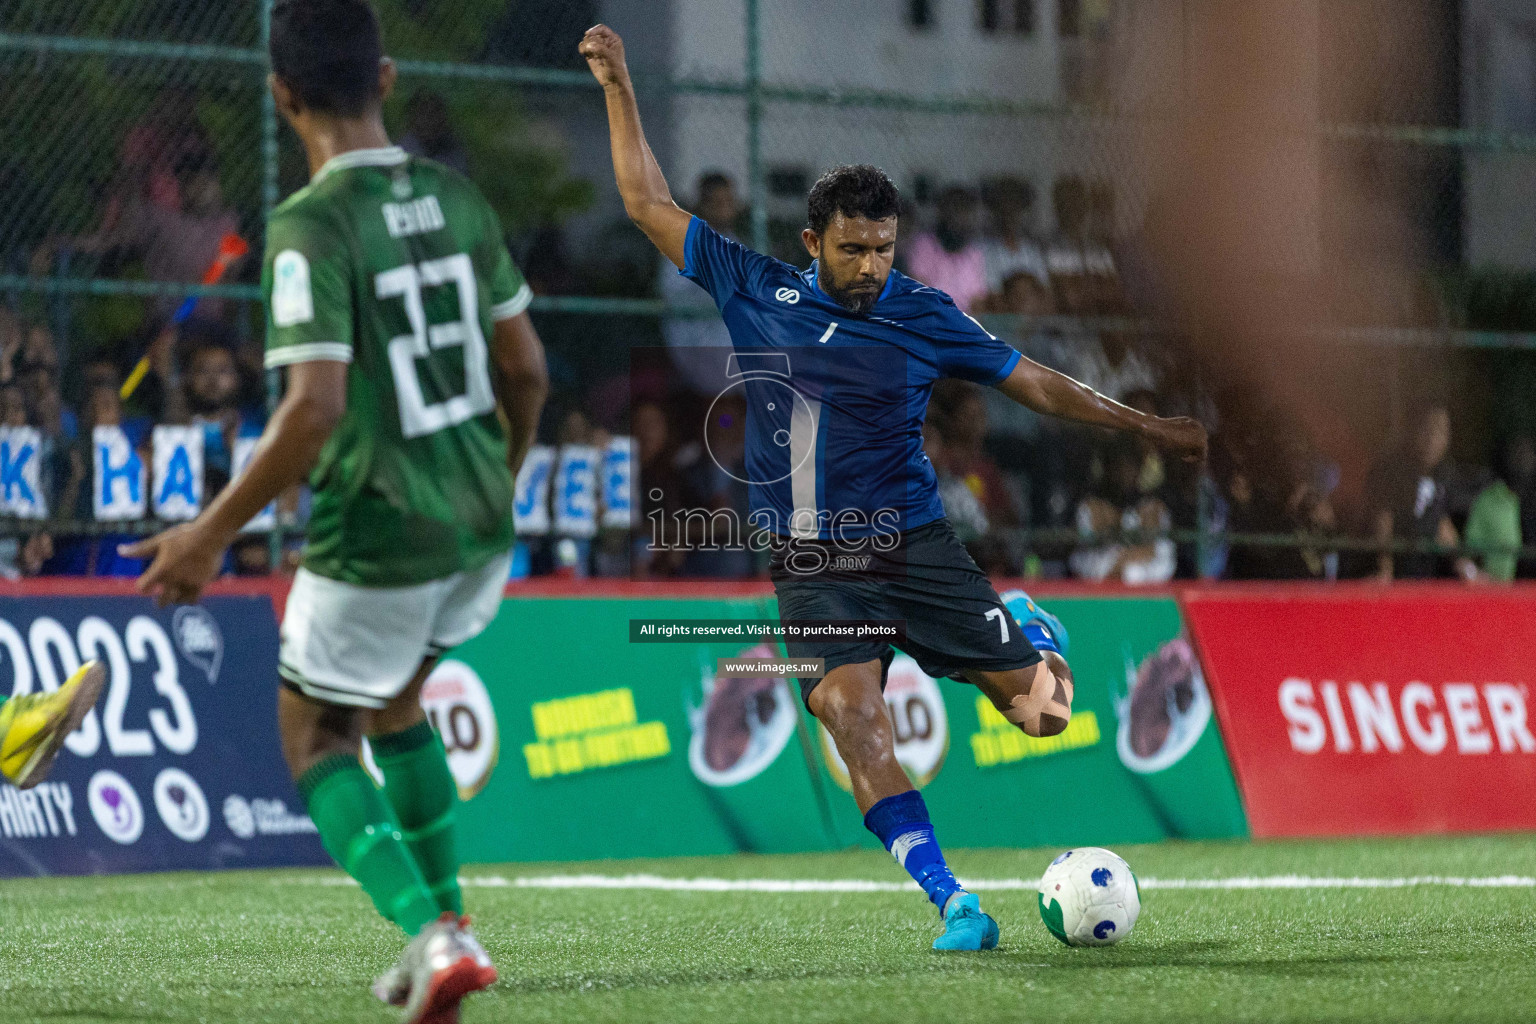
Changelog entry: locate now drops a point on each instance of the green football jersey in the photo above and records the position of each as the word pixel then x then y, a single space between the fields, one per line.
pixel 397 266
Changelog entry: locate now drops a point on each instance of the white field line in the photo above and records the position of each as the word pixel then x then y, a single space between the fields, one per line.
pixel 1305 882
pixel 663 883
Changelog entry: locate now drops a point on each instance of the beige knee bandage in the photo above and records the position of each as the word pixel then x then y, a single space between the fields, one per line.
pixel 1046 708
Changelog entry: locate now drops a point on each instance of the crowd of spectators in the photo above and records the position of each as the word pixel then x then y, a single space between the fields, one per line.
pixel 1029 495
pixel 1002 469
pixel 162 217
pixel 195 378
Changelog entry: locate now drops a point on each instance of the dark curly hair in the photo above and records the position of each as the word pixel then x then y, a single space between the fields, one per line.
pixel 854 190
pixel 328 53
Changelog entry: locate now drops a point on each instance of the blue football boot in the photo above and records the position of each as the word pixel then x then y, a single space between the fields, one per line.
pixel 965 926
pixel 1025 611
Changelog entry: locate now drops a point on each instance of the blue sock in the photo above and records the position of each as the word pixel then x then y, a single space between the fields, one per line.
pixel 1039 637
pixel 901 823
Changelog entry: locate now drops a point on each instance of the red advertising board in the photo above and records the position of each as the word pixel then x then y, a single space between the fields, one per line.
pixel 1371 710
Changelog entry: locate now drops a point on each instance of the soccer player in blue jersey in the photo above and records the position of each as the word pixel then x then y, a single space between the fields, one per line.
pixel 837 364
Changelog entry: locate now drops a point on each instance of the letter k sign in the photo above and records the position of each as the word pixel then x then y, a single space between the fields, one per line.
pixel 13 482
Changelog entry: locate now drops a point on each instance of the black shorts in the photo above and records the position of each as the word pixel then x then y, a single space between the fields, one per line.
pixel 952 617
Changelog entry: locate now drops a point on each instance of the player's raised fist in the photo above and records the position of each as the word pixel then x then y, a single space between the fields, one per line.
pixel 1182 436
pixel 604 51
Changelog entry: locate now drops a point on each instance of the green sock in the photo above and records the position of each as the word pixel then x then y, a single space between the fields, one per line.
pixel 420 787
pixel 358 830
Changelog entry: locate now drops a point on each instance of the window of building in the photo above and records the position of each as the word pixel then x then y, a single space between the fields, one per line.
pixel 921 14
pixel 1013 17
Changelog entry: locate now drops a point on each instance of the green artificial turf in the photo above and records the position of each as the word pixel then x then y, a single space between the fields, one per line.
pixel 294 946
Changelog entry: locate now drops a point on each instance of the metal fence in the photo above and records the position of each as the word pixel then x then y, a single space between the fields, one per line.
pixel 96 90
pixel 109 107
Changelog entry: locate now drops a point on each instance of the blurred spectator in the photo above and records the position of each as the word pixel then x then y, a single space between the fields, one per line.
pixel 574 428
pixel 45 410
pixel 573 555
pixel 25 555
pixel 961 413
pixel 210 396
pixel 166 392
pixel 1064 254
pixel 155 156
pixel 11 335
pixel 1495 523
pixel 1124 525
pixel 429 131
pixel 718 204
pixel 97 371
pixel 1520 474
pixel 1086 56
pixel 961 505
pixel 1108 296
pixel 212 386
pixel 1140 262
pixel 1011 252
pixel 157 151
pixel 13 406
pixel 660 490
pixel 20 555
pixel 1079 259
pixel 950 258
pixel 610 548
pixel 250 556
pixel 45 405
pixel 700 345
pixel 97 555
pixel 181 243
pixel 1272 484
pixel 1152 475
pixel 101 372
pixel 211 390
pixel 1112 366
pixel 36 372
pixel 1413 488
pixel 37 350
pixel 1023 294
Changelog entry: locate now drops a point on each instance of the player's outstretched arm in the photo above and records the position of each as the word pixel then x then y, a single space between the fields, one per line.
pixel 521 381
pixel 1055 394
pixel 647 199
pixel 185 558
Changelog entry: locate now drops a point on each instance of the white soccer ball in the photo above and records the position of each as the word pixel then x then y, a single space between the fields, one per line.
pixel 1089 897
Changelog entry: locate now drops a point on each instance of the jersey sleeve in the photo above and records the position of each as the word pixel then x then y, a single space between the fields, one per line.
pixel 968 350
pixel 718 264
pixel 307 282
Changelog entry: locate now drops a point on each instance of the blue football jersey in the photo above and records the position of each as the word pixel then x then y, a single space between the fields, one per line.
pixel 836 399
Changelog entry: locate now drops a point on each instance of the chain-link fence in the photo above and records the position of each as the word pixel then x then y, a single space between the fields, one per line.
pixel 137 134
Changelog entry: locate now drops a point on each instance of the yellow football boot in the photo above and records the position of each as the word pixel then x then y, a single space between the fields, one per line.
pixel 33 727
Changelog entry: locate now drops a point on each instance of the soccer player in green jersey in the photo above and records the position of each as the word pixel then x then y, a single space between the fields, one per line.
pixel 415 382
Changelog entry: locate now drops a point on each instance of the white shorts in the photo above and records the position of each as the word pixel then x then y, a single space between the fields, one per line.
pixel 361 646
